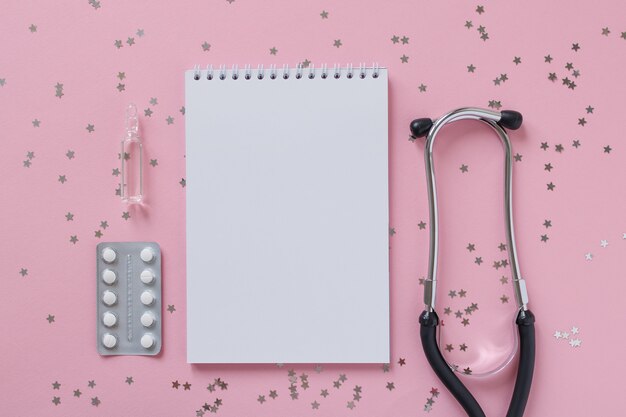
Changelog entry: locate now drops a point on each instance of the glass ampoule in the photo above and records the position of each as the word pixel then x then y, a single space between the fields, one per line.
pixel 132 159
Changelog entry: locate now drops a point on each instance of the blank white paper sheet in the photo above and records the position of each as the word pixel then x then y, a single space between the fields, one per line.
pixel 287 218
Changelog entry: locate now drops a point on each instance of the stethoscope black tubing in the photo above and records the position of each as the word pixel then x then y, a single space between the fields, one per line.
pixel 526 366
pixel 526 327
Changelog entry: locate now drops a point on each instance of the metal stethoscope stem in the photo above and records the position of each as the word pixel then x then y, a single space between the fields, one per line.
pixel 490 118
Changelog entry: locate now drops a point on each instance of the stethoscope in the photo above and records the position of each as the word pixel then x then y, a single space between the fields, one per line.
pixel 524 317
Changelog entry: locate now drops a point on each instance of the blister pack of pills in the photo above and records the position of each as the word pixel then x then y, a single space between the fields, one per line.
pixel 128 292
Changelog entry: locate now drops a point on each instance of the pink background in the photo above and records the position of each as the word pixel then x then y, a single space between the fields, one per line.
pixel 44 273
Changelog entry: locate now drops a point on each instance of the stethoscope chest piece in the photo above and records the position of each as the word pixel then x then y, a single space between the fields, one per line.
pixel 429 321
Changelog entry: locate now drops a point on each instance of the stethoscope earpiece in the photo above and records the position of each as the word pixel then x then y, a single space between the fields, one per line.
pixel 511 119
pixel 420 127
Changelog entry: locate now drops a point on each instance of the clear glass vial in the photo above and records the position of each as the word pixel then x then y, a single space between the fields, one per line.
pixel 132 159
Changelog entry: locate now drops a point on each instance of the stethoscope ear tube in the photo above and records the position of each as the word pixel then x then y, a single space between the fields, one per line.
pixel 526 327
pixel 428 334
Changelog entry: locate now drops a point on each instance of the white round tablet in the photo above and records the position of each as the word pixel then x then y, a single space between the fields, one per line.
pixel 147 341
pixel 108 255
pixel 147 319
pixel 109 341
pixel 147 255
pixel 109 319
pixel 147 298
pixel 109 298
pixel 147 276
pixel 109 276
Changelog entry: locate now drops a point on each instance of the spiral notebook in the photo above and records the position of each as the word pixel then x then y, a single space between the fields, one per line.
pixel 287 215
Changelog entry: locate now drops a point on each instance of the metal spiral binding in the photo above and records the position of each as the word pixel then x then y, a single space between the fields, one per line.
pixel 324 71
pixel 301 72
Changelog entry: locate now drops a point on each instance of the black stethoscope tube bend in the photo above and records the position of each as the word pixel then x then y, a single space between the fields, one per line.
pixel 526 328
